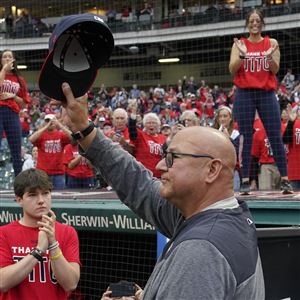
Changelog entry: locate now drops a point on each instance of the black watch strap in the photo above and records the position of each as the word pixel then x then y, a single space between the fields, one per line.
pixel 38 254
pixel 81 134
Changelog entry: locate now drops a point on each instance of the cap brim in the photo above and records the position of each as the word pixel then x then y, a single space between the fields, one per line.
pixel 51 79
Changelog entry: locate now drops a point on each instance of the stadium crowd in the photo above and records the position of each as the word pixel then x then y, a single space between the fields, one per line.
pixel 120 114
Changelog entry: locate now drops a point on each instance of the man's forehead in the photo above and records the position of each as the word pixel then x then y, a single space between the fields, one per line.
pixel 188 139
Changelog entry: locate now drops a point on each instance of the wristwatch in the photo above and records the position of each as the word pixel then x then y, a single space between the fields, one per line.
pixel 37 253
pixel 81 134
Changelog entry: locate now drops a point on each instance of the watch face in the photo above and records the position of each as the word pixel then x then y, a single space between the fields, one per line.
pixel 76 135
pixel 81 134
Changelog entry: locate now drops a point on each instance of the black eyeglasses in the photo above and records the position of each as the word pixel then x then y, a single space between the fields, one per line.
pixel 169 157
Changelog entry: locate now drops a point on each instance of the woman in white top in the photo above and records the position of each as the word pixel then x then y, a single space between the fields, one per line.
pixel 224 122
pixel 30 162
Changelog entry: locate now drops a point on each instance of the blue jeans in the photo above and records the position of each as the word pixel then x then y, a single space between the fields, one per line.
pixel 58 181
pixel 245 103
pixel 10 123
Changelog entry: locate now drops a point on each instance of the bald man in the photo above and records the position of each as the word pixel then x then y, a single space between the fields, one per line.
pixel 212 252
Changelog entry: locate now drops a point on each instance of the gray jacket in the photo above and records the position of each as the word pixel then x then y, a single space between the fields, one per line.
pixel 213 255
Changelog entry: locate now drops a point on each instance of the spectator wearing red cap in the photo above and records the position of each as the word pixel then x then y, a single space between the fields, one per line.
pixel 268 173
pixel 13 98
pixel 51 142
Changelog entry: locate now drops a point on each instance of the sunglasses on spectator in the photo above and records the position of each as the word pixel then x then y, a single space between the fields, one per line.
pixel 170 156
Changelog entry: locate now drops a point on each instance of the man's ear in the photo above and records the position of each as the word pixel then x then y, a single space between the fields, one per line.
pixel 214 171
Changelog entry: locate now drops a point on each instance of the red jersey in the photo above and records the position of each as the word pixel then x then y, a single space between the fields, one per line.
pixel 25 123
pixel 148 150
pixel 50 152
pixel 294 154
pixel 125 133
pixel 209 109
pixel 261 147
pixel 82 170
pixel 254 72
pixel 12 85
pixel 16 241
pixel 258 124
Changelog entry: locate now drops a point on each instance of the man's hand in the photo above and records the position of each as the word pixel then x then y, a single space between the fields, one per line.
pixel 75 112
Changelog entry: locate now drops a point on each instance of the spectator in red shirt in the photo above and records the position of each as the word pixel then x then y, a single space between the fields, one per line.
pixel 51 142
pixel 119 133
pixel 221 99
pixel 13 97
pixel 25 122
pixel 292 138
pixel 148 142
pixel 268 174
pixel 79 171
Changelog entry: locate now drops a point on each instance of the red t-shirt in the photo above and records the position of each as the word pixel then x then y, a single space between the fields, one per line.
pixel 254 71
pixel 261 147
pixel 82 170
pixel 148 150
pixel 12 85
pixel 294 154
pixel 50 152
pixel 25 123
pixel 125 133
pixel 209 109
pixel 16 241
pixel 258 124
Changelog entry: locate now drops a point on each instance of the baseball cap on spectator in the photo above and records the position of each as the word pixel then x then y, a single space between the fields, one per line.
pixel 78 47
pixel 198 112
pixel 107 123
pixel 165 126
pixel 102 119
pixel 49 117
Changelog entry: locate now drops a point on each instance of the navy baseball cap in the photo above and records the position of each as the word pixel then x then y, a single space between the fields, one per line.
pixel 78 47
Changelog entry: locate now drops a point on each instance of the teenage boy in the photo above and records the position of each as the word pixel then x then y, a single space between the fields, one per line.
pixel 39 257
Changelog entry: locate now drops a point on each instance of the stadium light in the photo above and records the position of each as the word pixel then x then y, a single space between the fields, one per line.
pixel 22 67
pixel 169 60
